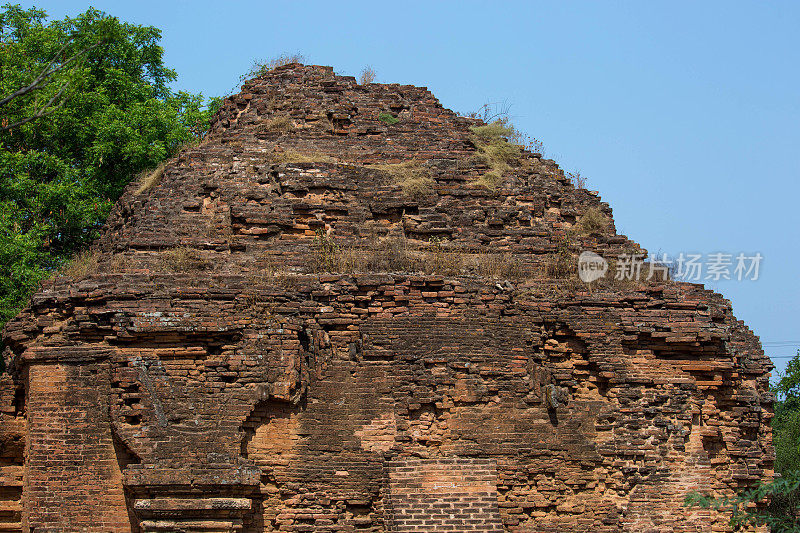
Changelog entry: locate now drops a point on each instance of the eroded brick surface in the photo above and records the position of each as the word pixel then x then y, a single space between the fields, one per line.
pixel 205 376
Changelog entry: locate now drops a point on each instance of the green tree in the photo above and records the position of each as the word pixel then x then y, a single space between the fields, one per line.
pixel 786 423
pixel 85 105
pixel 786 434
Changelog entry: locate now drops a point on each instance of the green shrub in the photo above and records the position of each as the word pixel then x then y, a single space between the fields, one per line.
pixel 111 116
pixel 388 119
pixel 743 514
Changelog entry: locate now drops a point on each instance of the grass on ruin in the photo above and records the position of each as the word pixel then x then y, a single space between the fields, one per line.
pixel 279 124
pixel 494 148
pixel 578 181
pixel 148 179
pixel 84 263
pixel 262 66
pixel 500 144
pixel 592 221
pixel 181 259
pixel 367 76
pixel 396 254
pixel 88 263
pixel 414 178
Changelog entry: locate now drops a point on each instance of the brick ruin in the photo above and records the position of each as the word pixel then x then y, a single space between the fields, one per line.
pixel 322 320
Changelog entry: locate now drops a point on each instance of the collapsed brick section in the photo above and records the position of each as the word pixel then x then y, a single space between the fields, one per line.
pixel 209 375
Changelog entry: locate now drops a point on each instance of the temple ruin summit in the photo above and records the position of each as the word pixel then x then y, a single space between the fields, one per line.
pixel 349 309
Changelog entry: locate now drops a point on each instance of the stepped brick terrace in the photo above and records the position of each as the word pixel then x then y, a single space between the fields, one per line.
pixel 343 311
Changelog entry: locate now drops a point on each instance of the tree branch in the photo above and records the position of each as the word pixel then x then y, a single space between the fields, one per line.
pixel 45 110
pixel 45 76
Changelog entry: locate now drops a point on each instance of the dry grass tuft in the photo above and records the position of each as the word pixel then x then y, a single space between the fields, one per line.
pixel 578 181
pixel 414 178
pixel 148 179
pixel 490 180
pixel 83 264
pixel 279 124
pixel 418 188
pixel 285 59
pixel 499 266
pixel 261 67
pixel 182 259
pixel 492 141
pixel 563 263
pixel 385 255
pixel 592 221
pixel 395 254
pixel 367 76
pixel 560 266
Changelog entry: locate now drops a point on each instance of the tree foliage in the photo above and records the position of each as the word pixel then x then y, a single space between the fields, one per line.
pixel 786 422
pixel 786 434
pixel 85 105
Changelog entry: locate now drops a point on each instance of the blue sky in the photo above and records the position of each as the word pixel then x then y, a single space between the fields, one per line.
pixel 684 115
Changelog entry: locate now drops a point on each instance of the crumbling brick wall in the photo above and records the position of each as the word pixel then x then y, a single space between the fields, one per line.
pixel 219 371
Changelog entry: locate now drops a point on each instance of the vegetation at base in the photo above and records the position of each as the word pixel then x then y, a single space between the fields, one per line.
pixel 780 499
pixel 744 514
pixel 85 106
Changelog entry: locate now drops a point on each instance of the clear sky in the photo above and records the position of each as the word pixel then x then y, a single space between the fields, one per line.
pixel 684 115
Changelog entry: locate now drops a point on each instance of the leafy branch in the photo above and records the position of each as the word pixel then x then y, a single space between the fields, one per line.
pixel 42 80
pixel 743 509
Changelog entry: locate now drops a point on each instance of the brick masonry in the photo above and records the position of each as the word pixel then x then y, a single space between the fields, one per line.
pixel 215 372
pixel 452 494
